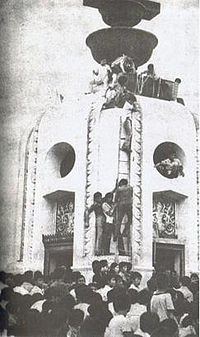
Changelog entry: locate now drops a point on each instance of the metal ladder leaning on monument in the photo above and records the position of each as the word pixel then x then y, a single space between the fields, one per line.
pixel 124 158
pixel 124 164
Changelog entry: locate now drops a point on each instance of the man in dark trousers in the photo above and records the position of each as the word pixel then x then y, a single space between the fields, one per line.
pixel 124 200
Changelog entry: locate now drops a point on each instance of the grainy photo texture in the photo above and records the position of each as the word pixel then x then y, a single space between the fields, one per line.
pixel 99 195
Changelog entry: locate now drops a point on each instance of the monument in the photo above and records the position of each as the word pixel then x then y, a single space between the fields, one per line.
pixel 118 180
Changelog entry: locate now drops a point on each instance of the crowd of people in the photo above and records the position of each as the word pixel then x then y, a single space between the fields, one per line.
pixel 113 305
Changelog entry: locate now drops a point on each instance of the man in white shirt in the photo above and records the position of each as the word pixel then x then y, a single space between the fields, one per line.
pixel 108 208
pixel 119 324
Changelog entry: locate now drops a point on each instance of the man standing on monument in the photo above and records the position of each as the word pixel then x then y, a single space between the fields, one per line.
pixel 109 210
pixel 96 207
pixel 124 200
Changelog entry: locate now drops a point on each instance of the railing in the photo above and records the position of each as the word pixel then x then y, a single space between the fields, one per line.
pixel 158 88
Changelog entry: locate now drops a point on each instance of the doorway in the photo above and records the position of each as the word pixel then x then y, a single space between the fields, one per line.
pixel 58 251
pixel 57 259
pixel 169 257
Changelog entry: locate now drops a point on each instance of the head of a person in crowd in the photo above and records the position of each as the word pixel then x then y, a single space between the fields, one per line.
pixel 10 280
pixel 108 198
pixel 81 280
pixel 100 311
pixel 180 305
pixel 123 267
pixel 150 68
pixel 173 294
pixel 114 268
pixel 59 273
pixel 136 278
pixel 121 304
pixel 83 293
pixel 103 62
pixel 76 317
pixel 6 294
pixel 96 308
pixel 119 282
pixel 93 286
pixel 194 278
pixel 149 321
pixel 185 281
pixel 66 304
pixel 39 279
pixel 28 276
pixel 129 266
pixel 123 182
pixel 133 295
pixel 75 275
pixel 96 266
pixel 143 297
pixel 174 274
pixel 2 276
pixel 104 266
pixel 68 275
pixel 112 281
pixel 174 279
pixel 162 281
pixel 18 280
pixel 38 275
pixel 95 298
pixel 151 284
pixel 48 293
pixel 97 197
pixel 92 327
pixel 115 292
pixel 171 326
pixel 58 291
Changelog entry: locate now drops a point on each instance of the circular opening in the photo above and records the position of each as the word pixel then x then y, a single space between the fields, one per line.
pixel 61 159
pixel 169 160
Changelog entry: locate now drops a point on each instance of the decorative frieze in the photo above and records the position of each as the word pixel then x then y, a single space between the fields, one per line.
pixel 136 181
pixel 65 218
pixel 164 224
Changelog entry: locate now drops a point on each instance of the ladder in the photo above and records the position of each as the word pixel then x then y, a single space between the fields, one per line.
pixel 124 158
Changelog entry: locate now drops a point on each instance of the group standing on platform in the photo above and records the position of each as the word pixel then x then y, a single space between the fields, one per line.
pixel 118 81
pixel 109 214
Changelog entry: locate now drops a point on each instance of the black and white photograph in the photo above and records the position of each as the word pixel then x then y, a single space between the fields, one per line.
pixel 99 179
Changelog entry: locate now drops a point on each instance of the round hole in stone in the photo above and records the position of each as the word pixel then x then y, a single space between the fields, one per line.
pixel 169 160
pixel 61 159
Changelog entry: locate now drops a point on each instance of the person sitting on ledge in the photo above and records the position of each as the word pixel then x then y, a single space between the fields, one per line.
pixel 101 77
pixel 171 167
